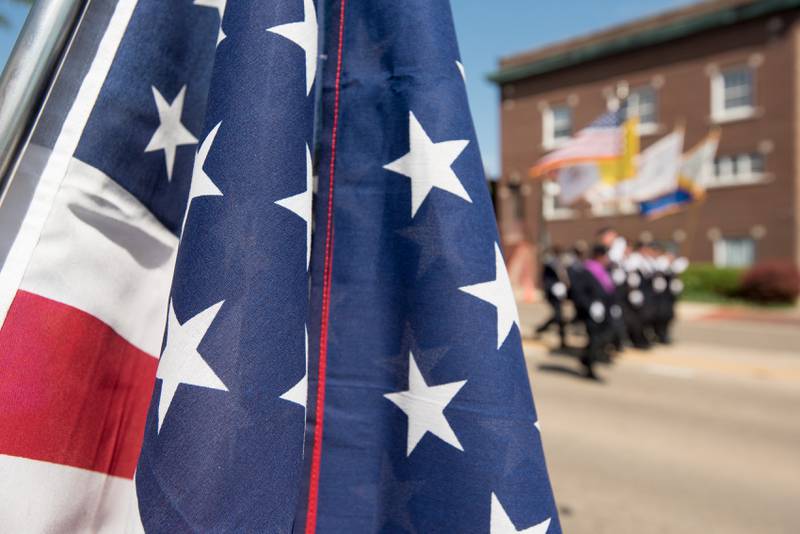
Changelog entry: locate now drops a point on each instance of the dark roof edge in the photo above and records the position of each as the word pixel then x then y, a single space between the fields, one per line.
pixel 668 32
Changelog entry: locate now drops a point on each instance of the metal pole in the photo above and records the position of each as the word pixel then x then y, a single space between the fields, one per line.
pixel 29 70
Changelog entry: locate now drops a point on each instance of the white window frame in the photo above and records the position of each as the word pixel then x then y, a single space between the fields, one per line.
pixel 549 139
pixel 649 127
pixel 550 208
pixel 728 170
pixel 721 252
pixel 614 208
pixel 719 113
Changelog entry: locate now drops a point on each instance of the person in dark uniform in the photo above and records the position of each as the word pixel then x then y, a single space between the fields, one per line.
pixel 555 284
pixel 668 292
pixel 617 249
pixel 663 299
pixel 649 272
pixel 635 306
pixel 593 295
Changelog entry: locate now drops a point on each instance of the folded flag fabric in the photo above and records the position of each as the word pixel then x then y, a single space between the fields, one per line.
pixel 160 283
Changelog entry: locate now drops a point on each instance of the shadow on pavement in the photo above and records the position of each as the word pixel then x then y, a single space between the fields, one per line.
pixel 563 370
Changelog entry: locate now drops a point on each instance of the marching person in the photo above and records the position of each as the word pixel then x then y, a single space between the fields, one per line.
pixel 636 302
pixel 555 284
pixel 669 291
pixel 593 296
pixel 663 299
pixel 617 249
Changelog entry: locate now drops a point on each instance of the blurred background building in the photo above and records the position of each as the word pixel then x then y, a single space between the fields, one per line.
pixel 727 64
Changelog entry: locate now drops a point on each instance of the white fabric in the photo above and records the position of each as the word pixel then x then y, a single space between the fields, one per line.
pixel 597 311
pixel 616 252
pixel 698 165
pixel 574 181
pixel 634 280
pixel 676 286
pixel 559 290
pixel 679 265
pixel 659 284
pixel 42 202
pixel 115 260
pixel 52 498
pixel 659 166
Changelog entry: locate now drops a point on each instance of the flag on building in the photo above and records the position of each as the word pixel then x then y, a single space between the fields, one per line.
pixel 658 170
pixel 169 182
pixel 696 170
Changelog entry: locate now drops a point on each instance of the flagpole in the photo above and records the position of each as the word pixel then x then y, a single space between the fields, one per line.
pixel 692 217
pixel 28 71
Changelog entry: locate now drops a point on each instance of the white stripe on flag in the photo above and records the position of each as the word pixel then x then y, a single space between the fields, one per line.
pixel 42 202
pixel 114 258
pixel 598 142
pixel 49 497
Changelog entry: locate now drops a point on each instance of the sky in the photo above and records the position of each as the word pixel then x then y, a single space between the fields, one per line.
pixel 487 30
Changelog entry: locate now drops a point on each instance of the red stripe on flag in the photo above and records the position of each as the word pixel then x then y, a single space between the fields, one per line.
pixel 72 391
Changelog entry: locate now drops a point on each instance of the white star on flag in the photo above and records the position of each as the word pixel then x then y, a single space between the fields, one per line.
pixel 500 523
pixel 300 204
pixel 298 394
pixel 180 362
pixel 499 294
pixel 424 405
pixel 428 164
pixel 304 35
pixel 202 185
pixel 170 133
pixel 220 6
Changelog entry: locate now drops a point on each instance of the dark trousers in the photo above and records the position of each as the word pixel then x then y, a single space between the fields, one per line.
pixel 557 318
pixel 600 336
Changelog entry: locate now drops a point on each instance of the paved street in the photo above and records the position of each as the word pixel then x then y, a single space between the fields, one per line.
pixel 702 436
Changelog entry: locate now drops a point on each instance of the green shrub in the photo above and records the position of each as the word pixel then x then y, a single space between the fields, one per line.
pixel 705 279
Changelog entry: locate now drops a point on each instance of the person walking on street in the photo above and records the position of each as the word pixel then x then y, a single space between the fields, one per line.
pixel 555 284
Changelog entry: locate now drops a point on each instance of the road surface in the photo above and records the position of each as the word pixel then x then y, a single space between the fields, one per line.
pixel 699 437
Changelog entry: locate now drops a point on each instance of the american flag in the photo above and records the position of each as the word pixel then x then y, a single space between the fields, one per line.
pixel 370 379
pixel 602 140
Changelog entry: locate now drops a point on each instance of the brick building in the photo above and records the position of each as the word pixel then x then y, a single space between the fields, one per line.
pixel 731 64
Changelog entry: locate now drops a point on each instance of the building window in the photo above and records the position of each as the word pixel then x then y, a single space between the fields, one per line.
pixel 552 208
pixel 732 95
pixel 738 169
pixel 734 252
pixel 556 126
pixel 642 103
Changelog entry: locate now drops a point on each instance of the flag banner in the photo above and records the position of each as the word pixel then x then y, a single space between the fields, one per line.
pixel 180 355
pixel 610 142
pixel 423 418
pixel 666 204
pixel 575 181
pixel 658 170
pixel 223 443
pixel 696 170
pixel 87 263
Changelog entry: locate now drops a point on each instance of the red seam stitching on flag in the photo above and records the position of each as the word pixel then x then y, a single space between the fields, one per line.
pixel 316 458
